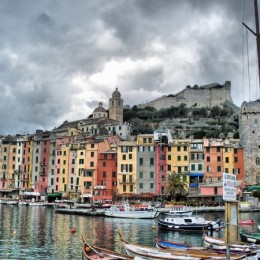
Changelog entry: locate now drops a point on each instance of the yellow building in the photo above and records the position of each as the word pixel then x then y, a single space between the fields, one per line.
pixel 126 167
pixel 178 158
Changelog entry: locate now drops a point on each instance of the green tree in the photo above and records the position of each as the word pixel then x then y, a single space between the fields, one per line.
pixel 175 187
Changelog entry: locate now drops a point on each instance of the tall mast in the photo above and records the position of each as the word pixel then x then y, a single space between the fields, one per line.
pixel 257 37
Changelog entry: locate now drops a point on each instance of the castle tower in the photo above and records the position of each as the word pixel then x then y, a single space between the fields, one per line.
pixel 116 106
pixel 249 132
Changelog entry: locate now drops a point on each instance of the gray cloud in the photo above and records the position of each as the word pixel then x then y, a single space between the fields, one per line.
pixel 59 59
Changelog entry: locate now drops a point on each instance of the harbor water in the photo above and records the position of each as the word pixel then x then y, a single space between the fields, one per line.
pixel 28 232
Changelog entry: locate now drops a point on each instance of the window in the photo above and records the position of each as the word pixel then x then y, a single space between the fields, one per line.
pixel 169 148
pixel 179 169
pixel 218 149
pixel 151 161
pixel 169 167
pixel 130 168
pixel 235 151
pixel 114 174
pixel 200 167
pixel 151 185
pixel 92 146
pixel 178 158
pixel 192 156
pixel 227 160
pixel 104 164
pixel 130 156
pixel 141 161
pixel 91 164
pixel 104 174
pixel 219 168
pixel 64 162
pixel 150 140
pixel 178 148
pixel 185 158
pixel 192 167
pixel 235 159
pixel 141 185
pixel 185 148
pixel 145 140
pixel 124 157
pixel 151 148
pixel 92 154
pixel 169 157
pixel 140 175
pixel 208 159
pixel 226 170
pixel 218 158
pixel 208 169
pixel 207 149
pixel 257 161
pixel 81 161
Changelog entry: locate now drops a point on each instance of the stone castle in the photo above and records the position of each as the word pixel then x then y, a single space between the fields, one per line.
pixel 204 96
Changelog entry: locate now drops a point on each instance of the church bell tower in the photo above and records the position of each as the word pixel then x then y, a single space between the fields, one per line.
pixel 116 106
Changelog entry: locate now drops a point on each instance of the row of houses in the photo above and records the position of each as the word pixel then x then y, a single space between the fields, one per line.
pixel 100 167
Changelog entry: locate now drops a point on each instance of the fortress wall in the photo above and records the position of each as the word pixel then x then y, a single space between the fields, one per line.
pixel 202 97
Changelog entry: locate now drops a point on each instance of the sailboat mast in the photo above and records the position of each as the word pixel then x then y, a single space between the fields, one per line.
pixel 257 37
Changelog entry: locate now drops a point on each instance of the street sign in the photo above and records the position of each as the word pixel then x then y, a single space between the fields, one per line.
pixel 229 187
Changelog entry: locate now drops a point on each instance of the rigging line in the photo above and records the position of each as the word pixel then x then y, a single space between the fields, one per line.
pixel 243 58
pixel 248 71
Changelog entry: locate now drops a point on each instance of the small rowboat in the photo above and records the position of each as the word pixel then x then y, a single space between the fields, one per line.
pixel 246 222
pixel 90 252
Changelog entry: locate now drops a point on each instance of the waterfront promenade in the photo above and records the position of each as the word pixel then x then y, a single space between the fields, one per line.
pixel 100 212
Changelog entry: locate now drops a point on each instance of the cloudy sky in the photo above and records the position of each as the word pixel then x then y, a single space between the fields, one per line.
pixel 60 58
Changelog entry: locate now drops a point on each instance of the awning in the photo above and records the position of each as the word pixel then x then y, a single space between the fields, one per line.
pixel 196 174
pixel 55 194
pixel 86 196
pixel 31 193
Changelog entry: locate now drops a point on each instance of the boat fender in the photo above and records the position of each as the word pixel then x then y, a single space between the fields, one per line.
pixel 87 249
pixel 73 230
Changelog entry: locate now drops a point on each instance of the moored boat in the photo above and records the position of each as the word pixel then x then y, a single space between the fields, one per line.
pixel 124 210
pixel 90 252
pixel 192 223
pixel 170 245
pixel 220 245
pixel 148 252
pixel 180 210
pixel 249 237
pixel 246 222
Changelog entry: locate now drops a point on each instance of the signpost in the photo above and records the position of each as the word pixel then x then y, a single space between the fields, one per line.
pixel 231 210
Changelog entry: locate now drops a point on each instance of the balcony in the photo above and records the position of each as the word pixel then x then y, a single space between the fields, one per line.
pixel 127 182
pixel 42 173
pixel 3 178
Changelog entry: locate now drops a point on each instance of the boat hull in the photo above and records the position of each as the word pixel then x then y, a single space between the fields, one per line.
pixel 186 227
pixel 131 214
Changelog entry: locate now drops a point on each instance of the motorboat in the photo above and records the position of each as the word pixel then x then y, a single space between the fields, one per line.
pixel 124 210
pixel 180 210
pixel 192 223
pixel 249 237
pixel 246 222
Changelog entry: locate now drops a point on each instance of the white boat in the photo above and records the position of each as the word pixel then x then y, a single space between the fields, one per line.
pixel 37 204
pixel 151 253
pixel 124 210
pixel 192 223
pixel 220 245
pixel 180 210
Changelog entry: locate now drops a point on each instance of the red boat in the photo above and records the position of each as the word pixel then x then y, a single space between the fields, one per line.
pixel 246 222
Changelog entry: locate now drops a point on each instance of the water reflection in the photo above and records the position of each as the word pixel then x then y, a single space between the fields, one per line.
pixel 40 233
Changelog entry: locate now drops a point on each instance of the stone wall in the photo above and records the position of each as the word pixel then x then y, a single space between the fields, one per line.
pixel 203 96
pixel 249 131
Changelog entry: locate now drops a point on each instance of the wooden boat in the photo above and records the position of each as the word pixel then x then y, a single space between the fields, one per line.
pixel 193 223
pixel 170 245
pixel 246 222
pixel 249 237
pixel 180 210
pixel 90 252
pixel 124 210
pixel 220 245
pixel 148 252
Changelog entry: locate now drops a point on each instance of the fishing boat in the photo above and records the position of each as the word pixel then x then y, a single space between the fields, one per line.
pixel 148 252
pixel 220 245
pixel 249 237
pixel 124 210
pixel 246 222
pixel 180 210
pixel 192 223
pixel 90 252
